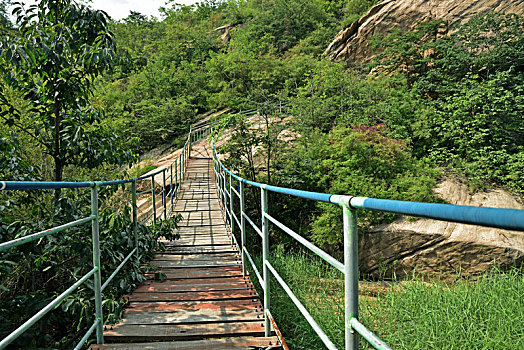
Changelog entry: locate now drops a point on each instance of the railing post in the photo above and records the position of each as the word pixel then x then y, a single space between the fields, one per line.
pixel 164 197
pixel 153 195
pixel 225 197
pixel 265 256
pixel 95 229
pixel 231 221
pixel 242 227
pixel 135 218
pixel 350 275
pixel 180 171
pixel 171 188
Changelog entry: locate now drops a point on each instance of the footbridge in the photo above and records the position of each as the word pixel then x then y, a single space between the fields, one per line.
pixel 206 298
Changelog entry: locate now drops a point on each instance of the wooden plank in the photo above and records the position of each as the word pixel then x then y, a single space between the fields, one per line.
pixel 195 256
pixel 196 281
pixel 194 296
pixel 201 240
pixel 190 261
pixel 192 316
pixel 239 304
pixel 196 265
pixel 205 294
pixel 208 272
pixel 199 250
pixel 270 343
pixel 133 332
pixel 175 287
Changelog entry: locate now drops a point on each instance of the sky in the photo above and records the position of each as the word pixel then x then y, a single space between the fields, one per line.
pixel 119 9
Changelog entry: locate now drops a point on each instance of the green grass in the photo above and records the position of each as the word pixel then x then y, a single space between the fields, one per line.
pixel 487 313
pixel 145 170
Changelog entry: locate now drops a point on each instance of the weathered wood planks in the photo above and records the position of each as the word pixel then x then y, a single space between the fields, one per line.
pixel 204 301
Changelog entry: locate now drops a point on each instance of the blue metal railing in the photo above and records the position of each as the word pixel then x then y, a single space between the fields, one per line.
pixel 491 217
pixel 175 178
pixel 512 219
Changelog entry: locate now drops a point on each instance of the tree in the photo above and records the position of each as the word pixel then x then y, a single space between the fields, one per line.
pixel 61 48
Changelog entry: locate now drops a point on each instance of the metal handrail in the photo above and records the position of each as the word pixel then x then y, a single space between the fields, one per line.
pixel 512 219
pixel 180 169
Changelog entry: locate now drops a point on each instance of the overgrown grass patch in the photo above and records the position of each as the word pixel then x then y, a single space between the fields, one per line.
pixel 487 313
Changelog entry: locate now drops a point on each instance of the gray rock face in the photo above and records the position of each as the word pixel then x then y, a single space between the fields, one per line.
pixel 352 43
pixel 432 247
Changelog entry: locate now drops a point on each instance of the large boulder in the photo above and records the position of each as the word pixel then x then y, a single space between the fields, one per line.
pixel 352 43
pixel 432 247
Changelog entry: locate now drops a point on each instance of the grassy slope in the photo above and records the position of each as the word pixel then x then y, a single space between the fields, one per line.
pixel 485 314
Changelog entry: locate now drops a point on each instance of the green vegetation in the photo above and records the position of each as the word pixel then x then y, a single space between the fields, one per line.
pixel 485 313
pixel 81 95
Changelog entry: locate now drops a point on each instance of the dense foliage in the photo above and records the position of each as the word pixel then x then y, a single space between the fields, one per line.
pixel 49 60
pixel 442 102
pixel 79 90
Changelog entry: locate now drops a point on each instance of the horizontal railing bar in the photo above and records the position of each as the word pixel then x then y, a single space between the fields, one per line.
pixel 82 341
pixel 255 227
pixel 322 197
pixel 302 309
pixel 146 219
pixel 41 185
pixel 236 219
pixel 260 279
pixel 236 192
pixel 35 236
pixel 118 269
pixel 144 192
pixel 510 219
pixel 368 335
pixel 331 260
pixel 17 332
pixel 50 185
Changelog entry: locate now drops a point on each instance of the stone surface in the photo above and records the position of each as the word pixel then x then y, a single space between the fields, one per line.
pixel 352 43
pixel 437 247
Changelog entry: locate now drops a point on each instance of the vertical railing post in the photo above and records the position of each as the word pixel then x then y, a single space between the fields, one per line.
pixel 171 188
pixel 95 229
pixel 225 197
pixel 164 197
pixel 242 227
pixel 153 195
pixel 350 275
pixel 231 220
pixel 265 256
pixel 135 218
pixel 180 171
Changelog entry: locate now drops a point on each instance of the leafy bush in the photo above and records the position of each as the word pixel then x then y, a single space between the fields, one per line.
pixel 362 161
pixel 33 274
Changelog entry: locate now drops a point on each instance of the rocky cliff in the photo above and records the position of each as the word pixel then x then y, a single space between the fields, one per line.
pixel 437 247
pixel 352 43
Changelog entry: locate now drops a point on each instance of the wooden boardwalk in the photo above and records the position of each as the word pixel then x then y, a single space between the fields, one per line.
pixel 206 302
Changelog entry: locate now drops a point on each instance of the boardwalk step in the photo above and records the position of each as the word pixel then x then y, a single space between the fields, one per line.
pixel 162 332
pixel 246 304
pixel 193 287
pixel 194 296
pixel 203 300
pixel 192 316
pixel 216 344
